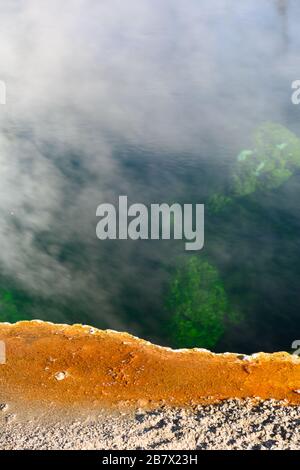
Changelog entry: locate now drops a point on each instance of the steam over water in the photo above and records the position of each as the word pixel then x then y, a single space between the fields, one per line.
pixel 153 100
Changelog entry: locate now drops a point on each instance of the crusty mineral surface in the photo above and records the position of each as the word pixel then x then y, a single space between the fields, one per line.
pixel 76 365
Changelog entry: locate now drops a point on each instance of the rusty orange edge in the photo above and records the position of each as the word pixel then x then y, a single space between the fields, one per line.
pixel 79 364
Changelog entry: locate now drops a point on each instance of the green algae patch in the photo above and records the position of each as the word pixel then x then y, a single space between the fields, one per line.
pixel 198 305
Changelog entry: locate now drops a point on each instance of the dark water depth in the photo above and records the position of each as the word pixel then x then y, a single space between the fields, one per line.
pixel 157 101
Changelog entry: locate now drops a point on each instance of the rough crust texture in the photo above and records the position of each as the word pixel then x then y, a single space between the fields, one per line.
pixel 77 364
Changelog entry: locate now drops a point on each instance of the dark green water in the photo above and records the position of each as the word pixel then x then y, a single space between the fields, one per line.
pixel 154 100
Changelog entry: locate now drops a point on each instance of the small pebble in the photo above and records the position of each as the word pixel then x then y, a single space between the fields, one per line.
pixel 10 418
pixel 60 375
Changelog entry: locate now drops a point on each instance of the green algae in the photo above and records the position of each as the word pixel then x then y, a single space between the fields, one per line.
pixel 198 305
pixel 275 156
pixel 273 159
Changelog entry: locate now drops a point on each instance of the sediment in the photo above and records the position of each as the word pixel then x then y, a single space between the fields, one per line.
pixel 79 364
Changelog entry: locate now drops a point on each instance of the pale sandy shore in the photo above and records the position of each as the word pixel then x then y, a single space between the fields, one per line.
pixel 233 424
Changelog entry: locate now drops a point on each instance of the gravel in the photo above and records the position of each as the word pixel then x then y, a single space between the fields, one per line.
pixel 232 424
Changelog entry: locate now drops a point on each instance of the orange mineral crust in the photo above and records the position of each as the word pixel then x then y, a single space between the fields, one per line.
pixel 74 365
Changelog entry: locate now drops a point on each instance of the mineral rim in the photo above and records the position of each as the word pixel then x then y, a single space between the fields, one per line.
pixel 79 364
